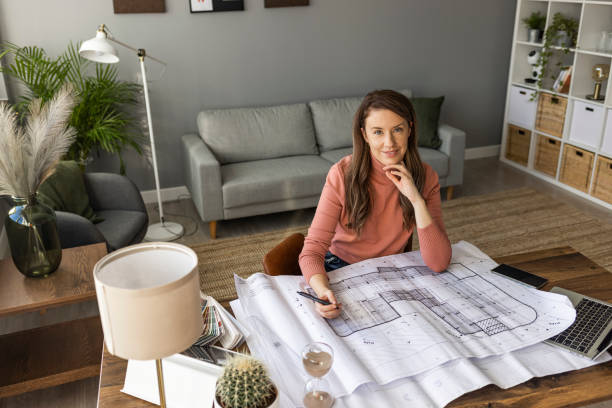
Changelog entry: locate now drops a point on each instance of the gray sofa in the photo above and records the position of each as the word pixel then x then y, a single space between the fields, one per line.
pixel 251 161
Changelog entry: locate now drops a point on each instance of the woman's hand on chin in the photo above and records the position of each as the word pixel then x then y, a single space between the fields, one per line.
pixel 401 177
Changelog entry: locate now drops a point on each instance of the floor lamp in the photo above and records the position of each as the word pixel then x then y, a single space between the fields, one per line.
pixel 99 49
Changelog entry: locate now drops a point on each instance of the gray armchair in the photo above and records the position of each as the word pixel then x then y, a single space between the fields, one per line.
pixel 116 199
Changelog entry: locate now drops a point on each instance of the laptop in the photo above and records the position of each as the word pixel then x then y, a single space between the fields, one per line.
pixel 591 333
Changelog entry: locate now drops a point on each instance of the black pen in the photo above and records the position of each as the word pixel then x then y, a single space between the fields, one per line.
pixel 314 298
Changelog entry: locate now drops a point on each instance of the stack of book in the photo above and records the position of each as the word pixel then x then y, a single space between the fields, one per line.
pixel 562 83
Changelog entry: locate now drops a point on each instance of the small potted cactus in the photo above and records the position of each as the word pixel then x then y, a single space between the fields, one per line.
pixel 245 384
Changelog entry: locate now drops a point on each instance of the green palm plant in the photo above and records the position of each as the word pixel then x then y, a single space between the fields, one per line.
pixel 102 116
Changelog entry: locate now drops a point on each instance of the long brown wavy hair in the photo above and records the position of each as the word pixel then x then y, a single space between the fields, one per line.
pixel 358 198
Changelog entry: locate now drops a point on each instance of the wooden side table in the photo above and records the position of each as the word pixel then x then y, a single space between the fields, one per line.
pixel 56 354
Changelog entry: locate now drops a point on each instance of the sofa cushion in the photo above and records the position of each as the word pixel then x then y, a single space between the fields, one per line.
pixel 272 180
pixel 436 159
pixel 427 111
pixel 244 134
pixel 335 155
pixel 333 120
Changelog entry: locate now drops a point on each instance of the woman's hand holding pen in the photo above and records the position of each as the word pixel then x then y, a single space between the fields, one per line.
pixel 320 284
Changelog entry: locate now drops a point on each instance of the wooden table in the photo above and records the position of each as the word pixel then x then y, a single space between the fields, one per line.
pixel 56 354
pixel 563 267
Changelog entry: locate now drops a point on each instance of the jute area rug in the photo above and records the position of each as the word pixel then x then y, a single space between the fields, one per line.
pixel 503 223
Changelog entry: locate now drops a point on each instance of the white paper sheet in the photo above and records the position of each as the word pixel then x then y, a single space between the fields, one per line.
pixel 400 319
pixel 188 382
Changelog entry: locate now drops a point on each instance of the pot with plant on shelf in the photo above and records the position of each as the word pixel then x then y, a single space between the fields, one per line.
pixel 245 383
pixel 535 26
pixel 560 36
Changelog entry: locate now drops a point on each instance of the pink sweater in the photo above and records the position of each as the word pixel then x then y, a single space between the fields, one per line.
pixel 383 232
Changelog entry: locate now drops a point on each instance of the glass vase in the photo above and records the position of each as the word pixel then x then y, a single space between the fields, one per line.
pixel 31 229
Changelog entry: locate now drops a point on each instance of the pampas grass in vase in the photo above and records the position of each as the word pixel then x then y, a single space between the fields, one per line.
pixel 28 155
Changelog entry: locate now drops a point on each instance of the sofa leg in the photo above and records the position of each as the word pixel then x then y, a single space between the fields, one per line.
pixel 212 227
pixel 449 192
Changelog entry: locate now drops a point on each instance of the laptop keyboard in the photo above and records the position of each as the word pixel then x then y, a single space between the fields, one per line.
pixel 591 319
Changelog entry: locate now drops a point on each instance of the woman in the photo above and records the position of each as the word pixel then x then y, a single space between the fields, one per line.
pixel 373 199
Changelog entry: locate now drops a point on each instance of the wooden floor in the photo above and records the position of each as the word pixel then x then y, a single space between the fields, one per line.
pixel 481 176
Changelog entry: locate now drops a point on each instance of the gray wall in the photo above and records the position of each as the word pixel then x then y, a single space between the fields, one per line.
pixel 457 48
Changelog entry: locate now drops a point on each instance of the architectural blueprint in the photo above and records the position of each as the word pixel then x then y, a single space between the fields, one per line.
pixel 431 389
pixel 399 319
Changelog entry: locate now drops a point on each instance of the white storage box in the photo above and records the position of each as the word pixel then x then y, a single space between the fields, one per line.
pixel 522 110
pixel 606 145
pixel 587 122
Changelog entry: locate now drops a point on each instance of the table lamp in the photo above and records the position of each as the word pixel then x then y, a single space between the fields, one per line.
pixel 99 49
pixel 149 300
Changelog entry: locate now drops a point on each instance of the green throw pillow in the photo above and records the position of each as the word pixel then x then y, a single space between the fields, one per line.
pixel 427 112
pixel 65 190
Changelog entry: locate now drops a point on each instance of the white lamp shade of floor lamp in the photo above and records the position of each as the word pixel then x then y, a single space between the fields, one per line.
pixel 99 49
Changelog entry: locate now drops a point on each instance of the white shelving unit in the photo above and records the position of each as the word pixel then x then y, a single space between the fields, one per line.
pixel 587 123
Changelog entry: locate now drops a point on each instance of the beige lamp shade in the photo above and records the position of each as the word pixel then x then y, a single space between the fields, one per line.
pixel 149 300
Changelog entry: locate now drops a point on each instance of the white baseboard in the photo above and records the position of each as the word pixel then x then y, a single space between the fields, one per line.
pixel 167 194
pixel 482 151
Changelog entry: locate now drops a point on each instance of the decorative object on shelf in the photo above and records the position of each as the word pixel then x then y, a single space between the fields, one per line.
pixel 285 3
pixel 245 384
pixel 28 156
pixel 204 6
pixel 532 58
pixel 535 26
pixel 561 84
pixel 99 49
pixel 562 32
pixel 101 116
pixel 600 73
pixel 139 6
pixel 603 45
pixel 149 301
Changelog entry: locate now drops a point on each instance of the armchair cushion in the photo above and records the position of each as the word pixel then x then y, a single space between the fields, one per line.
pixel 65 190
pixel 122 228
pixel 75 230
pixel 427 112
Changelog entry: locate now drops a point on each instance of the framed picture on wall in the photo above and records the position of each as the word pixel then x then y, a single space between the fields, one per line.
pixel 204 6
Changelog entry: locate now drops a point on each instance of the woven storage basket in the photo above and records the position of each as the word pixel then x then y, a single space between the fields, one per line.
pixel 517 147
pixel 547 155
pixel 602 185
pixel 576 167
pixel 551 114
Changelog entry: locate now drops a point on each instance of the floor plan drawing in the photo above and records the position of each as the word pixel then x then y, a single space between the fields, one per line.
pixel 459 297
pixel 398 318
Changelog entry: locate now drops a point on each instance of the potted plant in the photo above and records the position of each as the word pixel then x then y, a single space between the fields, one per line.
pixel 535 26
pixel 562 32
pixel 102 115
pixel 245 383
